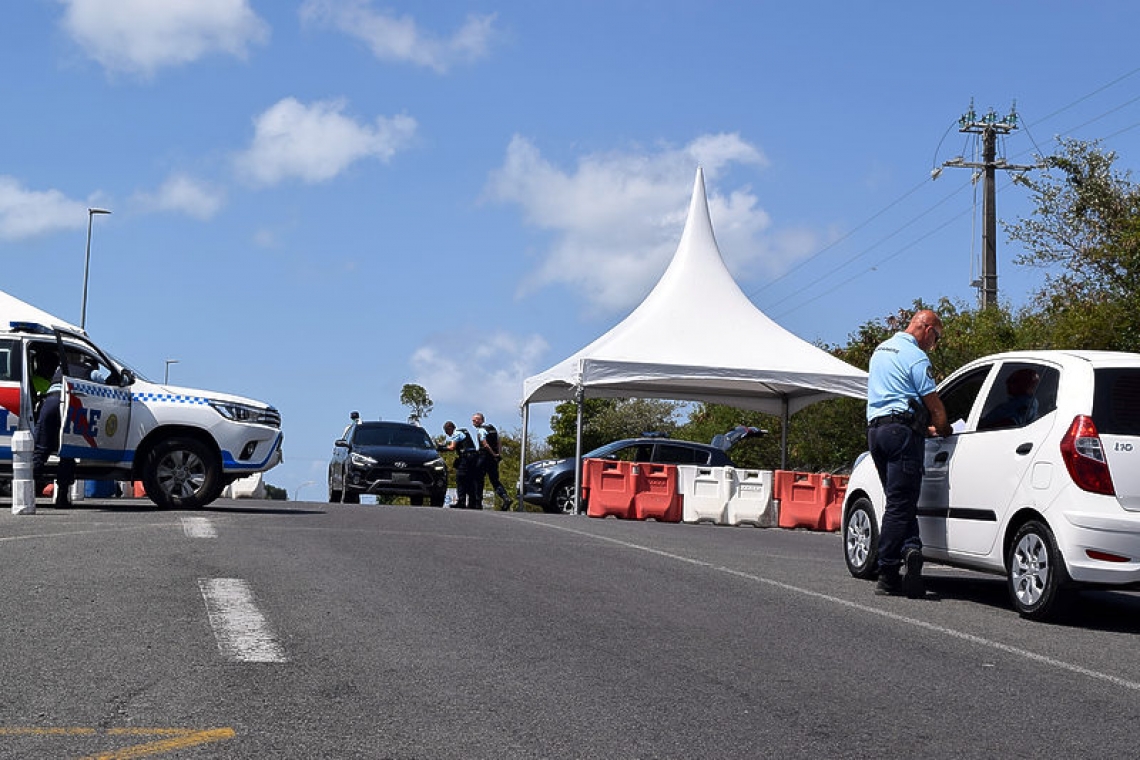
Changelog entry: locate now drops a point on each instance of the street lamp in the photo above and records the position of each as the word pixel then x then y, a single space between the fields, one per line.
pixel 297 493
pixel 91 212
pixel 166 374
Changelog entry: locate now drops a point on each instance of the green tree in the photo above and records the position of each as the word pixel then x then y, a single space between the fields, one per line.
pixel 417 399
pixel 1085 231
pixel 608 419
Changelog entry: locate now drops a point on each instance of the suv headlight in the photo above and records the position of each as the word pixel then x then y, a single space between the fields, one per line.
pixel 436 464
pixel 359 460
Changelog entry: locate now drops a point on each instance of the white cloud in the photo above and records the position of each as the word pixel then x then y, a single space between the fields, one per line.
pixel 477 371
pixel 617 218
pixel 142 36
pixel 315 143
pixel 398 38
pixel 183 194
pixel 27 213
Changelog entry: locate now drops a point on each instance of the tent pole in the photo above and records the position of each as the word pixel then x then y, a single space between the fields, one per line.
pixel 522 457
pixel 784 436
pixel 580 398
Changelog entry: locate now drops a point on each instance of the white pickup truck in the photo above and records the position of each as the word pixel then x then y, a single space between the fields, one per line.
pixel 184 445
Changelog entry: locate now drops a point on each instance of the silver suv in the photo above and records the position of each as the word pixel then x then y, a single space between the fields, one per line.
pixel 1040 481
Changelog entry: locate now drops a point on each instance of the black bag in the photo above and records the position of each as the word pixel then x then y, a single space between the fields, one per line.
pixel 492 439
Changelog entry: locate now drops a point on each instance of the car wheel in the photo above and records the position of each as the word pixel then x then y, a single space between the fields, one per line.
pixel 562 499
pixel 416 501
pixel 861 539
pixel 438 498
pixel 1036 574
pixel 351 497
pixel 182 473
pixel 334 495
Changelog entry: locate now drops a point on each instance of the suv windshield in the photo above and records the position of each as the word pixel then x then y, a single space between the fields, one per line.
pixel 1116 402
pixel 414 438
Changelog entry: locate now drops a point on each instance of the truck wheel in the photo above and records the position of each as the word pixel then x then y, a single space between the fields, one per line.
pixel 182 473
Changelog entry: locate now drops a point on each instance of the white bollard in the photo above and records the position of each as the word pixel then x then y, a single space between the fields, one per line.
pixel 78 490
pixel 23 484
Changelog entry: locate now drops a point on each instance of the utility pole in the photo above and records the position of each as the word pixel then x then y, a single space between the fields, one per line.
pixel 989 127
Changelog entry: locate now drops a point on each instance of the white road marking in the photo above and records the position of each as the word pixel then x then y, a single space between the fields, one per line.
pixel 978 640
pixel 240 629
pixel 198 527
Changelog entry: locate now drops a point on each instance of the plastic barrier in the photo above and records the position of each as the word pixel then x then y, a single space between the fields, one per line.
pixel 612 486
pixel 750 501
pixel 656 496
pixel 833 495
pixel 801 499
pixel 100 489
pixel 704 493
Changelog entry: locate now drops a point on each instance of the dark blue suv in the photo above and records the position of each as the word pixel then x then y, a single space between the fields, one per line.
pixel 550 482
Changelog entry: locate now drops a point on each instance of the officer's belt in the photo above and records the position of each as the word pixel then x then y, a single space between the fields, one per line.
pixel 899 418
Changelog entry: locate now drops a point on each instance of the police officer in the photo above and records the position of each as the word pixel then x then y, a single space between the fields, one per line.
pixel 46 442
pixel 490 452
pixel 903 408
pixel 466 467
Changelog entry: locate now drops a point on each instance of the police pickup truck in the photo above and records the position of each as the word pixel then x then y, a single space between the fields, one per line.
pixel 184 445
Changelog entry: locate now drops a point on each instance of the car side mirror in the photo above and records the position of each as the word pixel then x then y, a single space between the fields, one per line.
pixel 126 377
pixel 341 443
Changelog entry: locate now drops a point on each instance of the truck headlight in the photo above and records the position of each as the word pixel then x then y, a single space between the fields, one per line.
pixel 236 412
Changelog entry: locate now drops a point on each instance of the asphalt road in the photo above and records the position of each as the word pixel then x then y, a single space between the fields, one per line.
pixel 306 630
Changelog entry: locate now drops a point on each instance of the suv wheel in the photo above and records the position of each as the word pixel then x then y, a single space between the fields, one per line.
pixel 861 540
pixel 1036 574
pixel 438 497
pixel 182 473
pixel 562 498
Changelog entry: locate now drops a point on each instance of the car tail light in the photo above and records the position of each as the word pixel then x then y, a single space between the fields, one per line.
pixel 1084 457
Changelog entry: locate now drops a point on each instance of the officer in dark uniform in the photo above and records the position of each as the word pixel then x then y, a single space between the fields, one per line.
pixel 466 466
pixel 46 440
pixel 490 452
pixel 903 408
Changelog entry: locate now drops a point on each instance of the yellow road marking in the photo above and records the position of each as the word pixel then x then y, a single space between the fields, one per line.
pixel 177 738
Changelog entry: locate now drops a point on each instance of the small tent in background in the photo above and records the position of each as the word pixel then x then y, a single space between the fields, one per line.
pixel 12 309
pixel 698 337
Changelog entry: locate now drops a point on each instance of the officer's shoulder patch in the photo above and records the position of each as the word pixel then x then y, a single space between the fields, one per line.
pixel 930 371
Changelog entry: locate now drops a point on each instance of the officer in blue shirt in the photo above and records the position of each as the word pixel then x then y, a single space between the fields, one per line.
pixel 466 466
pixel 903 408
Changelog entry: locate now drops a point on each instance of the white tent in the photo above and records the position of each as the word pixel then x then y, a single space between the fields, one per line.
pixel 697 337
pixel 12 309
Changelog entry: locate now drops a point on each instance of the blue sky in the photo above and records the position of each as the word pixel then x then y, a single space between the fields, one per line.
pixel 317 202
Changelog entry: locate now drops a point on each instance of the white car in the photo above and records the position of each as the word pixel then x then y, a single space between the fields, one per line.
pixel 185 445
pixel 1040 481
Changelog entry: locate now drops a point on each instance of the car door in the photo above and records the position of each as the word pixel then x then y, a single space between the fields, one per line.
pixel 958 396
pixel 95 410
pixel 992 458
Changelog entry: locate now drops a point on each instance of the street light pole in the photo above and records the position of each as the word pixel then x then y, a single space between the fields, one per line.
pixel 297 493
pixel 91 212
pixel 166 374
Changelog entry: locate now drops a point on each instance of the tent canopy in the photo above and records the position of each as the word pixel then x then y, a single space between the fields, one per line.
pixel 697 337
pixel 12 309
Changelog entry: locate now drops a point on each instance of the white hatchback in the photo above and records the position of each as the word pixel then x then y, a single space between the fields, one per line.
pixel 1040 481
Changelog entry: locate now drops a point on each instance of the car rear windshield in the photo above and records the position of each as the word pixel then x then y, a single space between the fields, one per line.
pixel 392 436
pixel 1116 401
